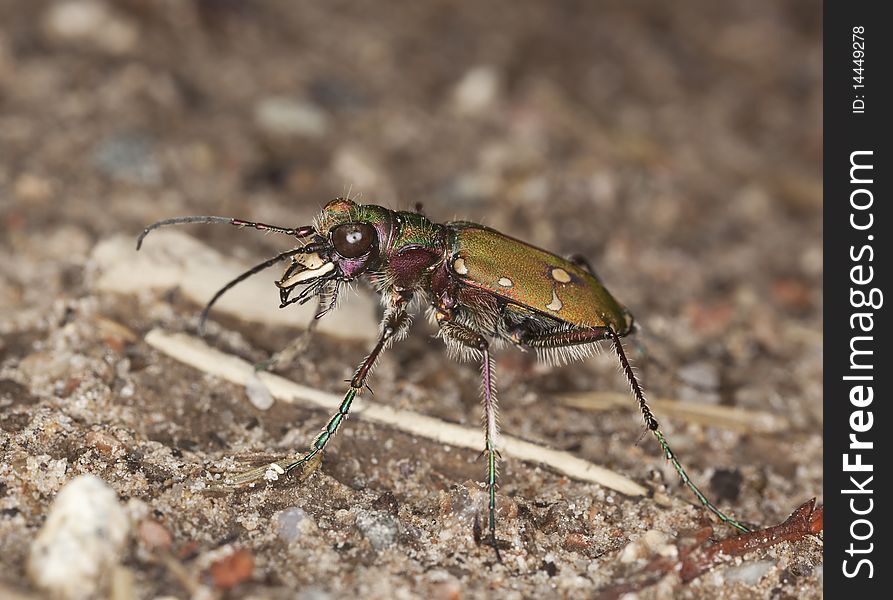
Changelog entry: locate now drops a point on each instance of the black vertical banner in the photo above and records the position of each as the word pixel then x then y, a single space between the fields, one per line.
pixel 857 170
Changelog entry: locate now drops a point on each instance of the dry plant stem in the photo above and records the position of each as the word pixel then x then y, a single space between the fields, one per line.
pixel 804 521
pixel 711 415
pixel 194 352
pixel 698 558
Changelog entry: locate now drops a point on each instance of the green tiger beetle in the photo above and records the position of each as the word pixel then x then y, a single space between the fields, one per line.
pixel 483 290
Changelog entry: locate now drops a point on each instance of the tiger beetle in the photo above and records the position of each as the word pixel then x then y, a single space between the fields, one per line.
pixel 483 290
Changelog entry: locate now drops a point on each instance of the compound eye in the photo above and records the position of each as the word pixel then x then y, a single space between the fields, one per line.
pixel 352 240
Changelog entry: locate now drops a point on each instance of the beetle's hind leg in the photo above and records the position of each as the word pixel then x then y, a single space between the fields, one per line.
pixel 588 335
pixel 475 341
pixel 652 424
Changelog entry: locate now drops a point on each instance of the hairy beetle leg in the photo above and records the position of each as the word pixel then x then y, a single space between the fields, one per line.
pixel 652 424
pixel 474 340
pixel 589 335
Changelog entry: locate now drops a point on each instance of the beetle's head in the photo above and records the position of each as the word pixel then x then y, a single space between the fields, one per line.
pixel 343 243
pixel 348 238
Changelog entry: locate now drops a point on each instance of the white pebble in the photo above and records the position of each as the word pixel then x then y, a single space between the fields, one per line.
pixel 91 22
pixel 80 541
pixel 258 394
pixel 290 523
pixel 749 573
pixel 287 117
pixel 477 90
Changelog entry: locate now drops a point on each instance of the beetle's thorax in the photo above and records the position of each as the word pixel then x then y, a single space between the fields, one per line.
pixel 416 248
pixel 409 245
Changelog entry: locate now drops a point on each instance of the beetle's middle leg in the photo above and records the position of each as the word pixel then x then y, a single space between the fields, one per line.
pixel 393 327
pixel 472 339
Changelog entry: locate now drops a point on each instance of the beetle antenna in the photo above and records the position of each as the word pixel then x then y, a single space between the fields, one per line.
pixel 652 424
pixel 298 232
pixel 252 271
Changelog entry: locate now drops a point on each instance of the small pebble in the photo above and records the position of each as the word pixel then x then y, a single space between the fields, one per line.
pixel 658 542
pixel 29 187
pixel 258 394
pixel 104 443
pixel 577 542
pixel 650 543
pixel 290 522
pixel 155 535
pixel 379 528
pixel 80 541
pixel 232 569
pixel 90 22
pixel 288 117
pixel 749 573
pixel 477 90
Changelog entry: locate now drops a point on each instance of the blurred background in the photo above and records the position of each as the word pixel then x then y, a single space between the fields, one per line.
pixel 676 145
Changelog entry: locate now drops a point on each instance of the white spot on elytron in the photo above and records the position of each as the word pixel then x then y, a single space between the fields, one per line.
pixel 556 302
pixel 505 282
pixel 459 266
pixel 560 275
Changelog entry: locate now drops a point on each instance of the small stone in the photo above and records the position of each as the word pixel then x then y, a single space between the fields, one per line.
pixel 90 22
pixel 658 542
pixel 379 528
pixel 232 569
pixel 104 443
pixel 387 502
pixel 155 535
pixel 650 543
pixel 749 573
pixel 288 117
pixel 477 90
pixel 29 187
pixel 290 523
pixel 258 394
pixel 80 541
pixel 577 542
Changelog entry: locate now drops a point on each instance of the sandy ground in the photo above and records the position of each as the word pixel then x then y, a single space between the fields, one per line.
pixel 676 145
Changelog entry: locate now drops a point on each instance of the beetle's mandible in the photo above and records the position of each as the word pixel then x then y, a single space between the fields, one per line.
pixel 483 289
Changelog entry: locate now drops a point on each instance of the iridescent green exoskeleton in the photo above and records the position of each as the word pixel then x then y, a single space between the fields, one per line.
pixel 483 289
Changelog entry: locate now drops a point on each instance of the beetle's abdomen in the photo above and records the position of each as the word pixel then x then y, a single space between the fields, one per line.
pixel 533 278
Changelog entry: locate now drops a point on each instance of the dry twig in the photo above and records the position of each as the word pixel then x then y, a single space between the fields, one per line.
pixel 198 354
pixel 698 558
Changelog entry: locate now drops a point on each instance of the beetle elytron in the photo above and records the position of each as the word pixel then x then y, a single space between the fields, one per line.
pixel 482 289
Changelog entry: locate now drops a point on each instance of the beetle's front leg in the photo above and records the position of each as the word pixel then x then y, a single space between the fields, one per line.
pixel 393 327
pixel 472 339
